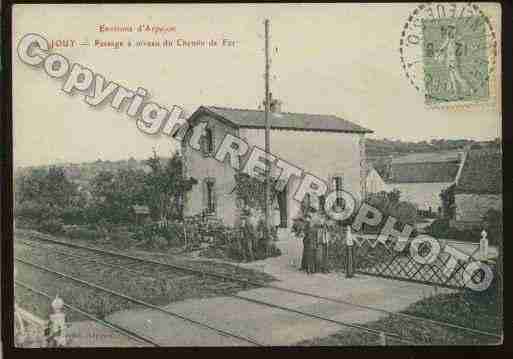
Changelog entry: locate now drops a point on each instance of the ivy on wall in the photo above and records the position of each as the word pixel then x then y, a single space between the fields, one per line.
pixel 251 192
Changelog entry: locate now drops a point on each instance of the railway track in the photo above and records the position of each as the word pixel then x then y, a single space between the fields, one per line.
pixel 89 257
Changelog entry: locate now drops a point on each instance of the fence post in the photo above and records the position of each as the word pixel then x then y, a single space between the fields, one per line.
pixel 350 253
pixel 483 246
pixel 382 339
pixel 56 331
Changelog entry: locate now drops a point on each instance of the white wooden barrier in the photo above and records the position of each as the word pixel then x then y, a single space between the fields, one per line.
pixel 35 331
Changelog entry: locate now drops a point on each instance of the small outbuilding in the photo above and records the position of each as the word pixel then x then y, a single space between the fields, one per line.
pixel 422 176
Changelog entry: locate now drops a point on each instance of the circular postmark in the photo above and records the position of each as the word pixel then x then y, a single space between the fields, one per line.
pixel 448 52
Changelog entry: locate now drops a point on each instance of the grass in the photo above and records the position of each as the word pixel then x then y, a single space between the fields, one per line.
pixel 469 309
pixel 150 287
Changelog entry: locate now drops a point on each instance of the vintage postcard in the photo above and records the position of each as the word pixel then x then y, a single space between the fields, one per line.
pixel 257 174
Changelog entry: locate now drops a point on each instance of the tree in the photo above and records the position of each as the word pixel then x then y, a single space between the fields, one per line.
pixel 448 202
pixel 251 192
pixel 43 195
pixel 50 187
pixel 167 185
pixel 493 222
pixel 389 204
pixel 394 196
pixel 115 193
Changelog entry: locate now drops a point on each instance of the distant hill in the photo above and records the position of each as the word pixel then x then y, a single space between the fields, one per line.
pixel 379 154
pixel 381 151
pixel 84 172
pixel 386 147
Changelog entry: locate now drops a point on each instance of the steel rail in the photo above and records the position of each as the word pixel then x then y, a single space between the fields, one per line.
pixel 115 327
pixel 309 315
pixel 139 302
pixel 256 283
pixel 71 256
pixel 270 286
pixel 273 305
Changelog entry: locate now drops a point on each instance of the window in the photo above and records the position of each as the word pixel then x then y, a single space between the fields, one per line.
pixel 210 196
pixel 208 143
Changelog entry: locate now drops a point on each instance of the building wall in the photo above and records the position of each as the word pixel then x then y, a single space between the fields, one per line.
pixel 470 208
pixel 200 168
pixel 322 154
pixel 423 195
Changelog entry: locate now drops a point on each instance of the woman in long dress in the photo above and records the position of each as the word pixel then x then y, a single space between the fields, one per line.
pixel 316 222
pixel 311 266
pixel 322 237
pixel 308 258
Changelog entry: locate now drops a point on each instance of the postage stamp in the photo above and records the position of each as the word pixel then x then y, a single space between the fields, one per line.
pixel 448 53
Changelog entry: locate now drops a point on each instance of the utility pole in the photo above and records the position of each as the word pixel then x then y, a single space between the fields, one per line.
pixel 267 142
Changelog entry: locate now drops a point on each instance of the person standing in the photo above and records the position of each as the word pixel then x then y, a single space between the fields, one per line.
pixel 325 239
pixel 317 223
pixel 309 242
pixel 248 235
pixel 310 250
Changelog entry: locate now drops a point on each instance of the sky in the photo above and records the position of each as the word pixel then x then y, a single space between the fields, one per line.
pixel 340 59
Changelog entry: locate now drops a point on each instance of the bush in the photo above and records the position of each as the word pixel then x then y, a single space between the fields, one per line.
pixel 198 227
pixel 51 226
pixel 234 251
pixel 441 228
pixel 390 206
pixel 171 233
pixel 73 215
pixel 159 242
pixel 35 212
pixel 82 233
pixel 493 224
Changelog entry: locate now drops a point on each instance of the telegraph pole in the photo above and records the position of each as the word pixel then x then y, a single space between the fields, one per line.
pixel 267 141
